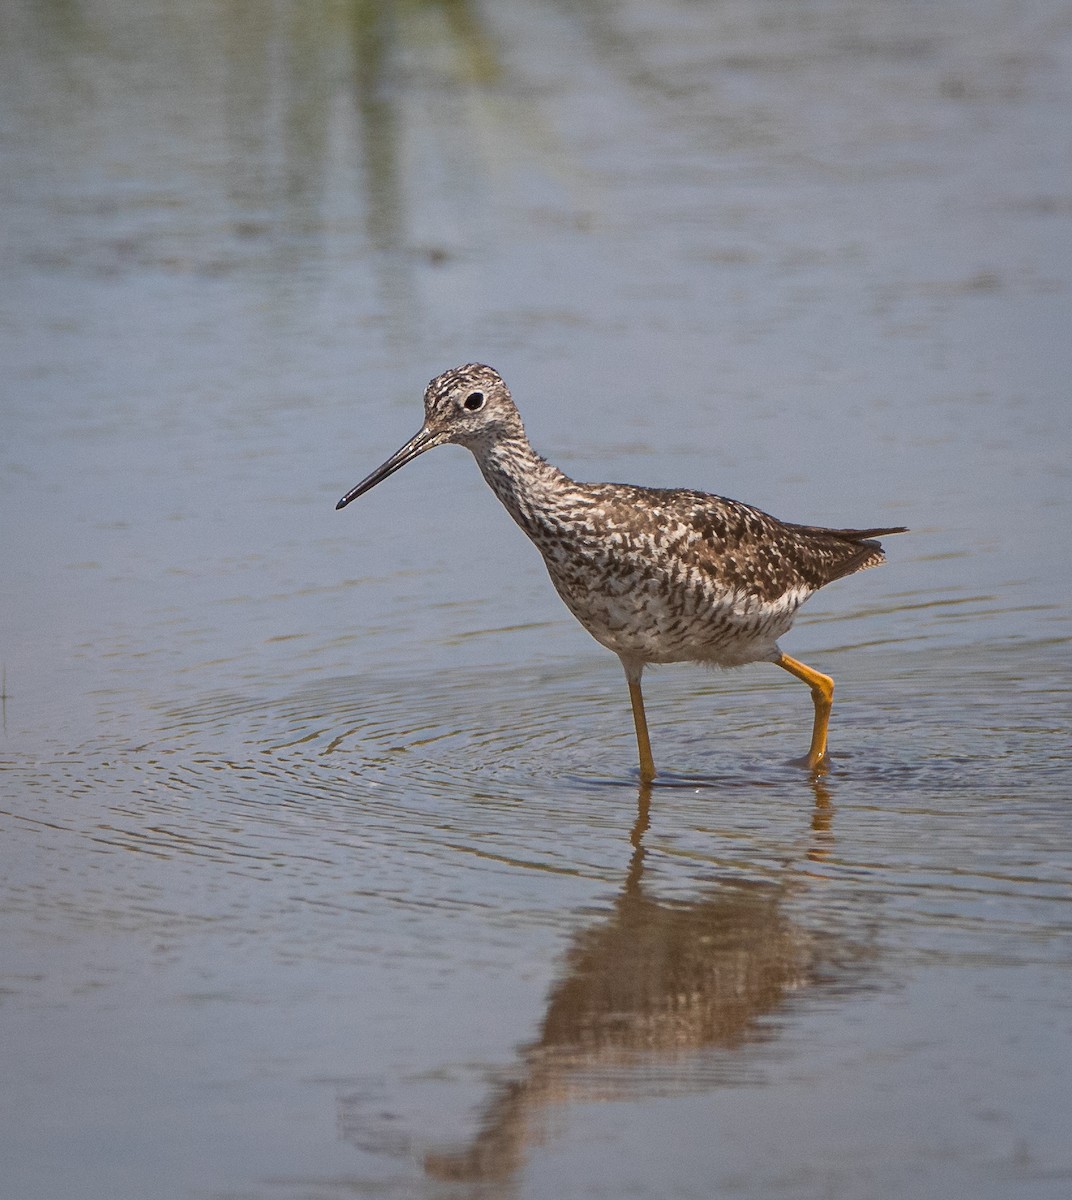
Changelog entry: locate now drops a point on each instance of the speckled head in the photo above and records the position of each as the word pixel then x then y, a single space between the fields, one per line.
pixel 468 406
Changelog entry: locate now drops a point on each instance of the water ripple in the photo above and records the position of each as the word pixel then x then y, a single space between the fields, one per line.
pixel 459 792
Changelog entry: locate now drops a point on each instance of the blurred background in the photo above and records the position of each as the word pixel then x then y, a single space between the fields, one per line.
pixel 323 865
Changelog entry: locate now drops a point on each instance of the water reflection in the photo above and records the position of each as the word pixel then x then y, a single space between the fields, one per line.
pixel 311 119
pixel 646 996
pixel 415 70
pixel 285 78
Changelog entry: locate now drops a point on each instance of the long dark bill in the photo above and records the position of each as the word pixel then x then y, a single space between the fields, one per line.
pixel 425 440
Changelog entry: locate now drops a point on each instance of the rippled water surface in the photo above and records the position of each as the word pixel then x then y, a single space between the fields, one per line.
pixel 324 866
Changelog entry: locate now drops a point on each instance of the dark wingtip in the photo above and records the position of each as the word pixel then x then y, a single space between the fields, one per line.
pixel 858 535
pixel 342 504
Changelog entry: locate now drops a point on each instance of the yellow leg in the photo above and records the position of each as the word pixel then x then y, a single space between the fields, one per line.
pixel 822 694
pixel 636 698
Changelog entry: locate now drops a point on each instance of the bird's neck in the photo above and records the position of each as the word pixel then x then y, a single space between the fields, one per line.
pixel 530 488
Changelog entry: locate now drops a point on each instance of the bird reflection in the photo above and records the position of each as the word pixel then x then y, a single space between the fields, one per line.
pixel 822 823
pixel 645 995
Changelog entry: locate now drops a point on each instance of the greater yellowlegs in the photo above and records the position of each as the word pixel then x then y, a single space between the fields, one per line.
pixel 658 575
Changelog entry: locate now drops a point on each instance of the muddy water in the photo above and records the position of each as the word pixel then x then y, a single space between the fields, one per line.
pixel 325 869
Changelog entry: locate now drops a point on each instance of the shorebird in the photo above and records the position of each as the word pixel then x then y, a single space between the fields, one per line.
pixel 658 575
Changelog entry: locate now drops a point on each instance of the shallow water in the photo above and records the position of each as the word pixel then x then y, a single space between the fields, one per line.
pixel 325 868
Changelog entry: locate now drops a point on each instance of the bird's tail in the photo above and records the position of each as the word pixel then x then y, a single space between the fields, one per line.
pixel 847 550
pixel 857 535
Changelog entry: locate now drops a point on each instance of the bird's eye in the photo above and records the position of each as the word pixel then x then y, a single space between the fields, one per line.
pixel 474 402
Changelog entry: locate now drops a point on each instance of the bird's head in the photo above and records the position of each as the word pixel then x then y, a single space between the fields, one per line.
pixel 469 406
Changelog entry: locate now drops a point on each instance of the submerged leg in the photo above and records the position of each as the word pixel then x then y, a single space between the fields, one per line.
pixel 822 693
pixel 640 721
